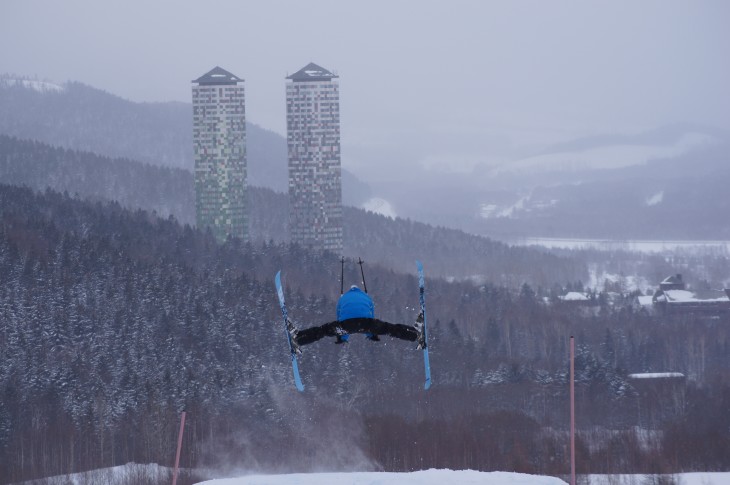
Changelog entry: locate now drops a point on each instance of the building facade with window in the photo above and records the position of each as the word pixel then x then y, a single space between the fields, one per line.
pixel 313 143
pixel 219 144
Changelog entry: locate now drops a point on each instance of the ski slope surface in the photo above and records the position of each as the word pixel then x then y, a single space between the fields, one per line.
pixel 152 473
pixel 425 477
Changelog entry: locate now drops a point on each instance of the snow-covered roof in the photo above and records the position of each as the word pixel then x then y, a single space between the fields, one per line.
pixel 646 300
pixel 673 282
pixel 674 279
pixel 218 75
pixel 685 296
pixel 679 295
pixel 656 375
pixel 574 296
pixel 312 72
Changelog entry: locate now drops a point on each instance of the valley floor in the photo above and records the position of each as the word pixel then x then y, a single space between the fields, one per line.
pixel 642 246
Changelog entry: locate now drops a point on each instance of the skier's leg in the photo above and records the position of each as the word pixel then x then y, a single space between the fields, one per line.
pixel 312 334
pixel 376 327
pixel 403 332
pixel 355 325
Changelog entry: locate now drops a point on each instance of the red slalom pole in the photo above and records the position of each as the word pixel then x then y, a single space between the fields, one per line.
pixel 179 447
pixel 572 411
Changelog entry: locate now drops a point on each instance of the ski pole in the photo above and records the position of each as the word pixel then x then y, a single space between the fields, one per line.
pixel 342 276
pixel 364 286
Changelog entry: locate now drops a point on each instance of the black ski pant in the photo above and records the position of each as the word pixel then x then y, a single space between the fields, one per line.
pixel 357 325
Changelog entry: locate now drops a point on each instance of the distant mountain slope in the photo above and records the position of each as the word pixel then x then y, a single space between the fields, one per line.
pixel 80 117
pixel 661 184
pixel 682 197
pixel 593 187
pixel 164 190
pixel 392 242
pixel 645 190
pixel 663 136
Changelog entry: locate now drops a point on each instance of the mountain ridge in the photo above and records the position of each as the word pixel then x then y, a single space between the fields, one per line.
pixel 81 117
pixel 550 203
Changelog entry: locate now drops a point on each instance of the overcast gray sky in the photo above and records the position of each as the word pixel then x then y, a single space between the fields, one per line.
pixel 469 79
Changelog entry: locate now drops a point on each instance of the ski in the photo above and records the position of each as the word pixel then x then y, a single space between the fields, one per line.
pixel 422 298
pixel 284 313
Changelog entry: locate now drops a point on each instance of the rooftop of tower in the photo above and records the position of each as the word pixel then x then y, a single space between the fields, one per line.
pixel 218 75
pixel 312 72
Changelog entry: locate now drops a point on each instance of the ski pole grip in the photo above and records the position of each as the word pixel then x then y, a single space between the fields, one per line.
pixel 362 273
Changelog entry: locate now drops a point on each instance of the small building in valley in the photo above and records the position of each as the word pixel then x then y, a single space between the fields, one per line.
pixel 673 297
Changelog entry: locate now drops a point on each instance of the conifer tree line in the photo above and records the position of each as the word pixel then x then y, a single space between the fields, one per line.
pixel 112 321
pixel 169 192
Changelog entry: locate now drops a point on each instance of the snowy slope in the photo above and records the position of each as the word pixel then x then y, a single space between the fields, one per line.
pixel 118 475
pixel 426 477
pixel 379 206
pixel 132 473
pixel 605 157
pixel 40 86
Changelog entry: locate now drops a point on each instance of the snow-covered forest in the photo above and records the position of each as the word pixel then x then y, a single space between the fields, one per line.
pixel 113 321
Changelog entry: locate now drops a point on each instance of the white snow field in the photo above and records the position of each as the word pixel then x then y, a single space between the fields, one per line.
pixel 133 474
pixel 118 475
pixel 465 477
pixel 379 206
pixel 425 477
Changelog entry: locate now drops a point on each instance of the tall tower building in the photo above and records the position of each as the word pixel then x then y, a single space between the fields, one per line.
pixel 313 139
pixel 219 142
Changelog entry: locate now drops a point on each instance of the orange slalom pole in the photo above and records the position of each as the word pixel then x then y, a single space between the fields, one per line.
pixel 179 447
pixel 572 410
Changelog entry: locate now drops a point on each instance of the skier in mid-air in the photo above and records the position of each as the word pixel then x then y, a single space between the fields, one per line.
pixel 356 314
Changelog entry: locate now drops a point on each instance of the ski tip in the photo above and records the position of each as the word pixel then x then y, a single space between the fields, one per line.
pixel 427 385
pixel 419 264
